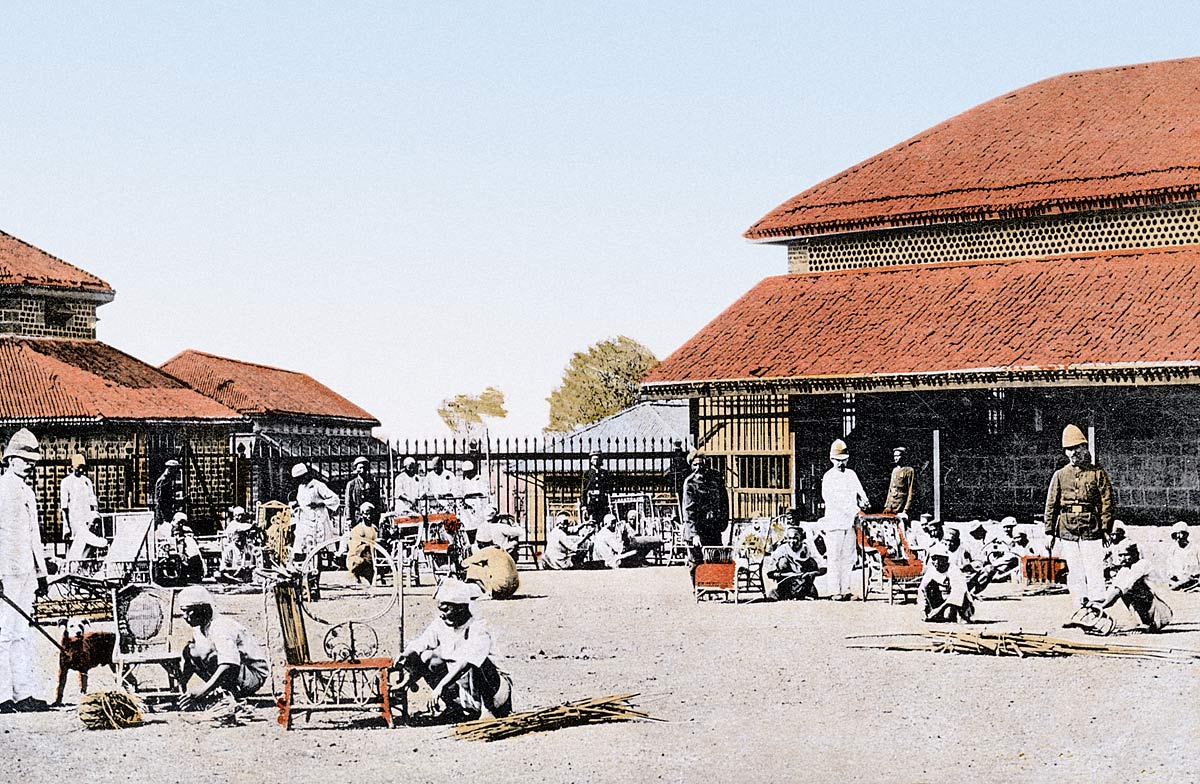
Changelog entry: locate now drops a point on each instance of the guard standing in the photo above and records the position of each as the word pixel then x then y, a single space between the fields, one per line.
pixel 705 510
pixel 166 500
pixel 900 488
pixel 22 574
pixel 1079 516
pixel 597 485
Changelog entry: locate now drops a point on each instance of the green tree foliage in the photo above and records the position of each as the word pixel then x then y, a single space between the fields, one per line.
pixel 599 382
pixel 464 414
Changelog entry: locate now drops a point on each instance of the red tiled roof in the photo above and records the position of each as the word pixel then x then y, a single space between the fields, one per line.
pixel 1092 140
pixel 1106 309
pixel 57 378
pixel 260 389
pixel 23 264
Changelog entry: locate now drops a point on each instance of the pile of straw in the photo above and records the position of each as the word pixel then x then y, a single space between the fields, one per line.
pixel 110 710
pixel 1022 644
pixel 597 710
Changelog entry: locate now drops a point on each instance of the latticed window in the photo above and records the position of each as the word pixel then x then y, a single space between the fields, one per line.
pixel 995 412
pixel 849 413
pixel 766 472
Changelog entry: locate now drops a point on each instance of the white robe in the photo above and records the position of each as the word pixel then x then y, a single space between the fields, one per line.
pixel 77 498
pixel 22 561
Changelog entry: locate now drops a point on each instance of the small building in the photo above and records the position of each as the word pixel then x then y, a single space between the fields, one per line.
pixel 78 395
pixel 1031 262
pixel 289 417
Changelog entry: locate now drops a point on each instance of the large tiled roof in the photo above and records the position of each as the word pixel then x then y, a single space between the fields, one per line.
pixel 1092 140
pixel 57 378
pixel 1118 309
pixel 260 389
pixel 23 264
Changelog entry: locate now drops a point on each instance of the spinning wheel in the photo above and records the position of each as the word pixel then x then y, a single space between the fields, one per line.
pixel 354 676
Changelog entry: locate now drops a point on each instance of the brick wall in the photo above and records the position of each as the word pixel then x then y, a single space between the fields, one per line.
pixel 1147 438
pixel 28 314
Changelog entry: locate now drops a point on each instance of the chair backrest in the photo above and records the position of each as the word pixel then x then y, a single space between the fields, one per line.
pixel 144 617
pixel 132 543
pixel 291 623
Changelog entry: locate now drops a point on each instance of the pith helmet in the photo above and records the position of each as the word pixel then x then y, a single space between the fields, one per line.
pixel 23 444
pixel 838 450
pixel 1072 436
pixel 299 470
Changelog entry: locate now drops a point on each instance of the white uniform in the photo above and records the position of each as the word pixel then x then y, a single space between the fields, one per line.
pixel 1183 564
pixel 407 494
pixel 476 509
pixel 844 497
pixel 22 561
pixel 77 498
pixel 314 524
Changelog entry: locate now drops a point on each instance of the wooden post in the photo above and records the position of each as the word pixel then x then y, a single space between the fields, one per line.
pixel 1092 443
pixel 937 474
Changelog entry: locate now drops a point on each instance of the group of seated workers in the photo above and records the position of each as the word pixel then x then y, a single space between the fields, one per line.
pixel 613 544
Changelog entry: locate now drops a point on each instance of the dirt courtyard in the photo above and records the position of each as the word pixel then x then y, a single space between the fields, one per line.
pixel 754 692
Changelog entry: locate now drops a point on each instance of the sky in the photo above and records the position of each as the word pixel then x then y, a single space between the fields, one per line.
pixel 410 201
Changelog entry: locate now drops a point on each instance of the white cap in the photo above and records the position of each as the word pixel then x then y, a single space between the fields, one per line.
pixel 237 510
pixel 468 466
pixel 194 595
pixel 1179 527
pixel 179 517
pixel 939 549
pixel 610 518
pixel 409 461
pixel 299 470
pixel 358 460
pixel 454 591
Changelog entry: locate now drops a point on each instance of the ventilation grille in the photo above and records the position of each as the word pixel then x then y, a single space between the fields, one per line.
pixel 1099 231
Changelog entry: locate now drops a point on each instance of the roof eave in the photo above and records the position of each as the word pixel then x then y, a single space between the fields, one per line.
pixel 1081 374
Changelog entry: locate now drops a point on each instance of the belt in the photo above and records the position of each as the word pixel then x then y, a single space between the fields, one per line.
pixel 1077 507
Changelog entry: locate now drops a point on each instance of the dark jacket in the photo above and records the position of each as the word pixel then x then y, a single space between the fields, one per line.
pixel 1079 503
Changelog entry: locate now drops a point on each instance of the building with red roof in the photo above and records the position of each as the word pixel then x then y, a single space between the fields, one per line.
pixel 1029 263
pixel 81 396
pixel 291 417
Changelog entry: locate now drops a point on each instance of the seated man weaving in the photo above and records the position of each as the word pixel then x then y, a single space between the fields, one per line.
pixel 793 568
pixel 944 591
pixel 1130 586
pixel 230 662
pixel 454 656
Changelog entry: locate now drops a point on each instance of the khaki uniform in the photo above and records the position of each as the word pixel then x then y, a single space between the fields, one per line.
pixel 1079 504
pixel 900 490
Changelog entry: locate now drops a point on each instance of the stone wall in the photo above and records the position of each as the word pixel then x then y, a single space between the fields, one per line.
pixel 55 317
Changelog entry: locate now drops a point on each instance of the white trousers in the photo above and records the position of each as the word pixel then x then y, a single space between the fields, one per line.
pixel 840 552
pixel 17 675
pixel 1085 568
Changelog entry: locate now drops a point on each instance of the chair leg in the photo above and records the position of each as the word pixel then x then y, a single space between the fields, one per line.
pixel 385 697
pixel 285 703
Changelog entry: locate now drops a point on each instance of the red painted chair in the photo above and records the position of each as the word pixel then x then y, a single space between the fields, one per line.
pixel 310 686
pixel 888 556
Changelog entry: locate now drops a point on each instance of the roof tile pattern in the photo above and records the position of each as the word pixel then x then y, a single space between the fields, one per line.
pixel 23 264
pixel 1101 309
pixel 1090 140
pixel 260 389
pixel 59 378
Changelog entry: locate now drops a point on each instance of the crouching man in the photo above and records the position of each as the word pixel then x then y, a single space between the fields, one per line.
pixel 947 599
pixel 454 656
pixel 1130 586
pixel 793 568
pixel 230 663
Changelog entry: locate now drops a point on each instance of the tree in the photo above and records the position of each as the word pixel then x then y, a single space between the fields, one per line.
pixel 464 414
pixel 599 382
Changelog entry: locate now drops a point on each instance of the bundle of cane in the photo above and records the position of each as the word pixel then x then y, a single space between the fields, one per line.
pixel 1021 644
pixel 110 710
pixel 597 710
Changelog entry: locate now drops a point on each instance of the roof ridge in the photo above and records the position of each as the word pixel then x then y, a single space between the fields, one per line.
pixel 81 270
pixel 236 362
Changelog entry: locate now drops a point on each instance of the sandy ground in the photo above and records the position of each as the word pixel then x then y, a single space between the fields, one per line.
pixel 752 692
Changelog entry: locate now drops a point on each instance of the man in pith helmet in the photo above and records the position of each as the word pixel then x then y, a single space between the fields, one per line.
pixel 1079 517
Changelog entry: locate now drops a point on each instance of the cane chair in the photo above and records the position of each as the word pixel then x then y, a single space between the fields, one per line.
pixel 330 684
pixel 144 617
pixel 1043 570
pixel 889 560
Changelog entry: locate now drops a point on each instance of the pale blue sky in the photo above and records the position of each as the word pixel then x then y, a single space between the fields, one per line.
pixel 413 200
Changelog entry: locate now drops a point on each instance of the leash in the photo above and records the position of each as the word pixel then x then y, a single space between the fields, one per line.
pixel 32 622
